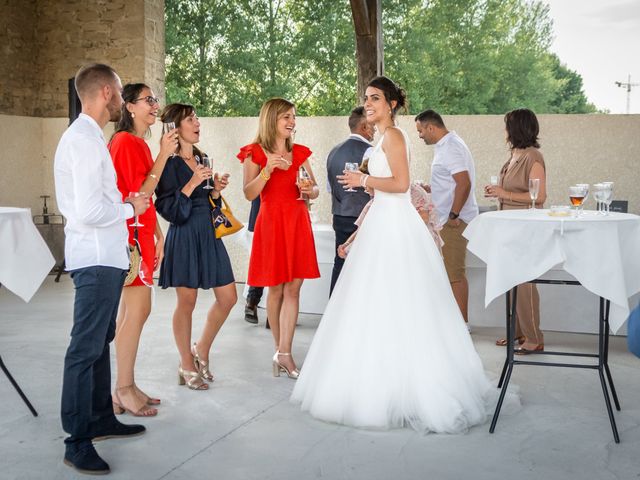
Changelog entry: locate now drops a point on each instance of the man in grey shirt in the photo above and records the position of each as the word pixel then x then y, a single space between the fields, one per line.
pixel 346 206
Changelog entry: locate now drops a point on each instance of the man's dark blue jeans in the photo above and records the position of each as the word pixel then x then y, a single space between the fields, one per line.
pixel 86 388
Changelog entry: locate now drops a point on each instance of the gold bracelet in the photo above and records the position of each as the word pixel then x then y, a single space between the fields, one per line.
pixel 265 176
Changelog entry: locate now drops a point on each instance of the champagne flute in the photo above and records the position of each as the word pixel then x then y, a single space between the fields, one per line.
pixel 494 181
pixel 207 163
pixel 351 167
pixel 304 180
pixel 576 195
pixel 534 189
pixel 135 223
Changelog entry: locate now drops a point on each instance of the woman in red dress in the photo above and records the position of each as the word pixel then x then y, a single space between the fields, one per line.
pixel 137 172
pixel 283 252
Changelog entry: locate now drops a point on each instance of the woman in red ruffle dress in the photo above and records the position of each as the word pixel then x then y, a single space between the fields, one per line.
pixel 283 253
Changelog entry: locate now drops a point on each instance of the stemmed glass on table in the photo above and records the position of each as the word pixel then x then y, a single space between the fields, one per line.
pixel 351 167
pixel 534 189
pixel 603 193
pixel 586 195
pixel 577 194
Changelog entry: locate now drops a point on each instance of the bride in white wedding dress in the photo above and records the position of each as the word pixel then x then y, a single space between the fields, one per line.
pixel 392 348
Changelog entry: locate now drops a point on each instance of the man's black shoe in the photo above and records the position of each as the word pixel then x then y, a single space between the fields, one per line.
pixel 119 430
pixel 251 314
pixel 86 460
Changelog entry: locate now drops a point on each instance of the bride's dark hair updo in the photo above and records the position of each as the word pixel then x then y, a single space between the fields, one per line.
pixel 392 91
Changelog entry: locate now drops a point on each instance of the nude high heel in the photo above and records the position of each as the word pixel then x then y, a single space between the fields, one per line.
pixel 192 380
pixel 119 407
pixel 202 366
pixel 278 367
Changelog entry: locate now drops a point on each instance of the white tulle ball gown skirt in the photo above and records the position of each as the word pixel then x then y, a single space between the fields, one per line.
pixel 392 349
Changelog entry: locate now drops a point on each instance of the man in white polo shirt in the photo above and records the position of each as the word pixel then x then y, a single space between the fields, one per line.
pixel 96 255
pixel 452 192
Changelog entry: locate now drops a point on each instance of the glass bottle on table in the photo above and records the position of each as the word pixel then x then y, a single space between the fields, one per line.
pixel 534 189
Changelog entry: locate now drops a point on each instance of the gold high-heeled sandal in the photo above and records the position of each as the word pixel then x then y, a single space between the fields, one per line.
pixel 119 407
pixel 278 367
pixel 202 366
pixel 192 380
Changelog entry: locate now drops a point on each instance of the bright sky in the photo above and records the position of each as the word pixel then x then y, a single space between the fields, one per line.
pixel 600 39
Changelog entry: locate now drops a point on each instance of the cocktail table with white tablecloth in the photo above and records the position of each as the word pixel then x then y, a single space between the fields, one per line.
pixel 25 261
pixel 601 252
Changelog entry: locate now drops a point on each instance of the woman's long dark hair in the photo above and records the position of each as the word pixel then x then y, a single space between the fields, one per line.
pixel 522 128
pixel 176 113
pixel 130 93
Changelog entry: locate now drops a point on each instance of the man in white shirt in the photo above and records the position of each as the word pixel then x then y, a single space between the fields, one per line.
pixel 452 192
pixel 96 256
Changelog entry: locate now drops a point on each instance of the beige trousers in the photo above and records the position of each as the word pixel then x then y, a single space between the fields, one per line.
pixel 528 314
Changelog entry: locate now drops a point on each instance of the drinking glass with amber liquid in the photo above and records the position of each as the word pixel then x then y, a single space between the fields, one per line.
pixel 577 195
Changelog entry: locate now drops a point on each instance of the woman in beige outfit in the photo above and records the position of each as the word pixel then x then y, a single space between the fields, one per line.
pixel 526 163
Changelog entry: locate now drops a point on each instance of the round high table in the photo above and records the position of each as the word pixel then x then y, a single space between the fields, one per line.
pixel 25 261
pixel 601 252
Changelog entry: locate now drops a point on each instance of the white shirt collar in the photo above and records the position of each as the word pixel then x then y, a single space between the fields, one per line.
pixel 361 138
pixel 445 139
pixel 93 123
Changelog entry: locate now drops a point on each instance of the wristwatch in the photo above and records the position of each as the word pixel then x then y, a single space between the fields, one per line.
pixel 453 215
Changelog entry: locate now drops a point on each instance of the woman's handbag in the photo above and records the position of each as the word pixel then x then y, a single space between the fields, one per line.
pixel 134 259
pixel 224 223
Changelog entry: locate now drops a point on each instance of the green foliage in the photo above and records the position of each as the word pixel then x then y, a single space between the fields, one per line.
pixel 456 56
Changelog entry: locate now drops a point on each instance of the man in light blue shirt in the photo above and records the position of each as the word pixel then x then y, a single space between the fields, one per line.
pixel 96 255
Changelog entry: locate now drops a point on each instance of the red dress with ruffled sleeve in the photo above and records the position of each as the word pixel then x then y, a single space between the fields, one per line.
pixel 132 162
pixel 283 248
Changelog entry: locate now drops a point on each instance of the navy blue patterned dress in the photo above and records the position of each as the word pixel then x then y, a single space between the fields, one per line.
pixel 193 256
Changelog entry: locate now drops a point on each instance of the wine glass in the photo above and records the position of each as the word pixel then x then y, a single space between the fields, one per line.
pixel 494 181
pixel 351 167
pixel 607 196
pixel 168 126
pixel 576 195
pixel 534 189
pixel 135 223
pixel 586 196
pixel 304 180
pixel 207 163
pixel 598 189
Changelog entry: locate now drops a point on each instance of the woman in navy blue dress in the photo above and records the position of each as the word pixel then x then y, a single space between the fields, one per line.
pixel 193 257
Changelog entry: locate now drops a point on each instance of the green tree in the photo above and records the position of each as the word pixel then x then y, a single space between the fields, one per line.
pixel 456 56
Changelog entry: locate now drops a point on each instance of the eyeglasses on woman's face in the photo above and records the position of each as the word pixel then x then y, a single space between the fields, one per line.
pixel 151 101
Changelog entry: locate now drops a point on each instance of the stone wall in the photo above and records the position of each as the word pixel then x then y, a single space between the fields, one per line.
pixel 48 40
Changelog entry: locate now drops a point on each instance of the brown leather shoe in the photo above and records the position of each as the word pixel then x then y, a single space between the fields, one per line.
pixel 528 349
pixel 502 342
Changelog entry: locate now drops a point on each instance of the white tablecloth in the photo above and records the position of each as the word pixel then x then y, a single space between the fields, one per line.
pixel 601 252
pixel 314 294
pixel 25 259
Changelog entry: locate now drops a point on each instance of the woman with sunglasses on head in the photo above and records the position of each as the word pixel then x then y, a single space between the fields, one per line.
pixel 194 258
pixel 137 172
pixel 283 252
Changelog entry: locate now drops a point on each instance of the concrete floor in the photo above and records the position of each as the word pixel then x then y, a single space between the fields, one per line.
pixel 245 427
